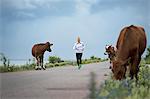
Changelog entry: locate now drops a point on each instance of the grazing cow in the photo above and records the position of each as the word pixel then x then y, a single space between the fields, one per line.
pixel 110 51
pixel 38 52
pixel 130 46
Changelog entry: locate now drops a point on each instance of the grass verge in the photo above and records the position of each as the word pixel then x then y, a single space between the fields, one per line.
pixel 125 89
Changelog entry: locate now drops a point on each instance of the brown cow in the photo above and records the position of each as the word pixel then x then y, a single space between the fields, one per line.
pixel 130 46
pixel 38 52
pixel 110 51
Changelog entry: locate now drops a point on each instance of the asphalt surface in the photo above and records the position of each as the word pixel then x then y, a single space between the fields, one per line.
pixel 55 83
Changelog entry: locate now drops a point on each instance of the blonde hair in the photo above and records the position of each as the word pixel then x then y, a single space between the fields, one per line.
pixel 78 39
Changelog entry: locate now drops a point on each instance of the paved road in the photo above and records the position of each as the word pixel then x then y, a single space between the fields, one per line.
pixel 54 83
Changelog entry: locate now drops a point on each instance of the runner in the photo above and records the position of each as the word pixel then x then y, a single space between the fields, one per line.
pixel 79 48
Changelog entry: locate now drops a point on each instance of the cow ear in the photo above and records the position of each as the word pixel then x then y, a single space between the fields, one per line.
pixel 51 44
pixel 113 48
pixel 105 53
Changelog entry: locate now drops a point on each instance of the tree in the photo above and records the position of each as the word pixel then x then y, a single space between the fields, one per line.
pixel 3 59
pixel 54 59
pixel 92 57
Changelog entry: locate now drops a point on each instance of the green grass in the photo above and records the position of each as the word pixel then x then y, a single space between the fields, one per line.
pixel 50 65
pixel 126 89
pixel 147 60
pixel 15 68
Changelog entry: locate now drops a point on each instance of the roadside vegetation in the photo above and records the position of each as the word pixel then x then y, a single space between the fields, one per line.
pixel 147 58
pixel 53 61
pixel 125 89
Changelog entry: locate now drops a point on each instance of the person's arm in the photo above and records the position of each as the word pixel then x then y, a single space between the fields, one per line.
pixel 83 46
pixel 74 47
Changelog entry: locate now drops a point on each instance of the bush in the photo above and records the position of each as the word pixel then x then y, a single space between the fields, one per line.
pixel 3 69
pixel 56 64
pixel 92 86
pixel 93 58
pixel 14 68
pixel 54 59
pixel 147 57
pixel 49 65
pixel 127 89
pixel 87 61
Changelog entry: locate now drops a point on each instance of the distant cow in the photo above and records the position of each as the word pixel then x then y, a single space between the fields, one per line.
pixel 38 52
pixel 130 46
pixel 110 51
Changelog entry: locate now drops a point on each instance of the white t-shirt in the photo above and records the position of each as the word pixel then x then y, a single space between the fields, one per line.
pixel 78 47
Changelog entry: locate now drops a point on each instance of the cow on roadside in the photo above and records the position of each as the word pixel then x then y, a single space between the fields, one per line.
pixel 110 51
pixel 130 46
pixel 38 52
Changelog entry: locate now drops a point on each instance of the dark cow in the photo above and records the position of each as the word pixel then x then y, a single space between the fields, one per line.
pixel 110 51
pixel 38 52
pixel 130 46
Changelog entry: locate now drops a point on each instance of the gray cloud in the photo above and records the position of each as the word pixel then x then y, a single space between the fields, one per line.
pixel 30 9
pixel 102 5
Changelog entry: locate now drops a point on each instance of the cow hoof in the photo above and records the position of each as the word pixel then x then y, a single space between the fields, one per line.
pixel 36 69
pixel 110 67
pixel 44 68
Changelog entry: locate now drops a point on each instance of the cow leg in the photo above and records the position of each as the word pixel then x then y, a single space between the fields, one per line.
pixel 39 66
pixel 124 76
pixel 131 71
pixel 42 63
pixel 37 63
pixel 134 68
pixel 137 68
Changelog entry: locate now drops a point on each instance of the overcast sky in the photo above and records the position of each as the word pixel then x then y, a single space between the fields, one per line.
pixel 24 23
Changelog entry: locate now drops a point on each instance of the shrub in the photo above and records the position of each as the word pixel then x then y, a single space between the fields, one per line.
pixel 54 59
pixel 92 86
pixel 14 68
pixel 49 65
pixel 127 89
pixel 147 57
pixel 87 61
pixel 93 58
pixel 56 64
